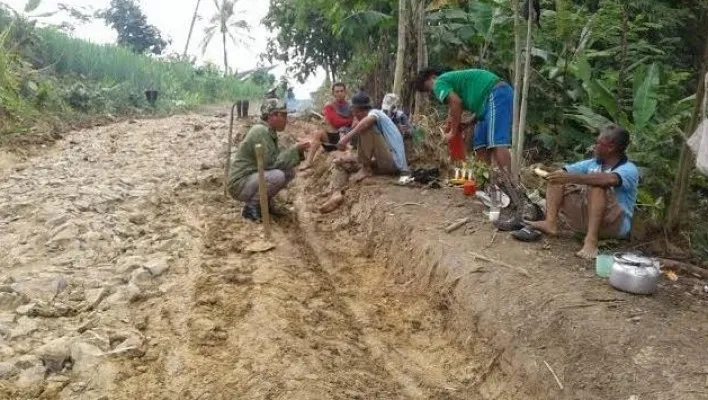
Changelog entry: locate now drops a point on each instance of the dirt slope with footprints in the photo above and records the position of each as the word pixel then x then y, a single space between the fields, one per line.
pixel 126 274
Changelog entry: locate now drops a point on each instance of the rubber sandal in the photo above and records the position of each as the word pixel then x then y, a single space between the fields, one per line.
pixel 510 225
pixel 527 234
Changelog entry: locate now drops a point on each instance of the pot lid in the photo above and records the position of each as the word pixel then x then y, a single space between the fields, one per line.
pixel 634 259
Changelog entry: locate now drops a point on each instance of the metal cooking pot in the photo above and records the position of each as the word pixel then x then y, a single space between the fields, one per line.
pixel 635 274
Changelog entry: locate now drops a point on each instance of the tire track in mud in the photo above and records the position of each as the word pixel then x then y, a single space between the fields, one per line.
pixel 300 322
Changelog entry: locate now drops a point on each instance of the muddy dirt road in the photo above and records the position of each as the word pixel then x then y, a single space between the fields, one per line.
pixel 127 275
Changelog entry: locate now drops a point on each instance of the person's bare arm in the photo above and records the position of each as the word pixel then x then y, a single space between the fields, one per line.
pixel 600 179
pixel 454 103
pixel 362 126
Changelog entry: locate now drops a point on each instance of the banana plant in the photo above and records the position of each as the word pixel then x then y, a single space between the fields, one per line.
pixel 645 99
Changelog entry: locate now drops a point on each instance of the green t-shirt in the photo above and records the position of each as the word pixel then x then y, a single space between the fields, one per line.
pixel 471 85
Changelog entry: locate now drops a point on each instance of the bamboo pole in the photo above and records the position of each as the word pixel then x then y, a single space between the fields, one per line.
pixel 227 164
pixel 517 82
pixel 263 191
pixel 686 160
pixel 525 90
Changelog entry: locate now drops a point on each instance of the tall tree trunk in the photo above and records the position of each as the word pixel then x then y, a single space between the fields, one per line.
pixel 421 53
pixel 525 93
pixel 516 159
pixel 191 29
pixel 622 75
pixel 678 194
pixel 226 58
pixel 333 69
pixel 401 51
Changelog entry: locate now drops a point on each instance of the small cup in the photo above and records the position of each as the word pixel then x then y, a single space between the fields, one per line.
pixel 494 214
pixel 603 265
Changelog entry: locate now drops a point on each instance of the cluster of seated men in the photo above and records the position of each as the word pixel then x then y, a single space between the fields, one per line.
pixel 596 196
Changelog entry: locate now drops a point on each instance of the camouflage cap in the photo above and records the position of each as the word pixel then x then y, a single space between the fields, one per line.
pixel 270 106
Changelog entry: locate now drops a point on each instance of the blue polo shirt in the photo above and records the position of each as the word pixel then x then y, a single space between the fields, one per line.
pixel 625 192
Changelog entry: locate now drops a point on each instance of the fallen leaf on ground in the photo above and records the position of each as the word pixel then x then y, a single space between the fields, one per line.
pixel 671 275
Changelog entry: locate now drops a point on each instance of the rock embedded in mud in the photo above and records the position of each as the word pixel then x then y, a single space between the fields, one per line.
pixel 138 219
pixel 94 297
pixel 157 267
pixel 132 346
pixel 133 292
pixel 26 309
pixel 129 264
pixel 43 288
pixel 141 277
pixel 85 356
pixel 55 354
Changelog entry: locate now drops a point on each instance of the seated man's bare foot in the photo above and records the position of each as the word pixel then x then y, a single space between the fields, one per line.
pixel 361 175
pixel 332 204
pixel 588 252
pixel 545 227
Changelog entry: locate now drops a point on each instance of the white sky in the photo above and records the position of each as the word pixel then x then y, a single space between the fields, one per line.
pixel 173 17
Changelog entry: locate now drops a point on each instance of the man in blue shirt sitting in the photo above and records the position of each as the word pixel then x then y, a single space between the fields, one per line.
pixel 595 196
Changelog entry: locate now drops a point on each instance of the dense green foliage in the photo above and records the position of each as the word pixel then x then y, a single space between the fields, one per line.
pixel 133 30
pixel 631 62
pixel 44 72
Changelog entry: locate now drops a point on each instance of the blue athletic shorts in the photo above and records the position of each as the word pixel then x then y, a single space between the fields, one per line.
pixel 493 128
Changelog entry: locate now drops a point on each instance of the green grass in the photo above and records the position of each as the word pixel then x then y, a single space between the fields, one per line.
pixel 112 65
pixel 46 73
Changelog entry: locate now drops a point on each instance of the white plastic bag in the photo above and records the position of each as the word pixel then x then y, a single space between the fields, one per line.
pixel 698 143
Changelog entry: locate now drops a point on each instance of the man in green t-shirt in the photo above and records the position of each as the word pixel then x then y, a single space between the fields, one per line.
pixel 485 95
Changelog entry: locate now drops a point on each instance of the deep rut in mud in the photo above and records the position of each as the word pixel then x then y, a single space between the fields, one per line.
pixel 303 321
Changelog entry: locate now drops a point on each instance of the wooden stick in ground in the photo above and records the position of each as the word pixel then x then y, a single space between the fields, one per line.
pixel 456 225
pixel 263 190
pixel 227 164
pixel 500 263
pixel 560 385
pixel 684 268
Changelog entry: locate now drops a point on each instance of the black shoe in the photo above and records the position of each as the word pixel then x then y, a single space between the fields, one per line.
pixel 252 213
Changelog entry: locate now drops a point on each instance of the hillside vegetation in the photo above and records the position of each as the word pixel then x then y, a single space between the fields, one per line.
pixel 46 76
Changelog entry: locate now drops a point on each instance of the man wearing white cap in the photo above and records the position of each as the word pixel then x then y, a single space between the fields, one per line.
pixel 391 105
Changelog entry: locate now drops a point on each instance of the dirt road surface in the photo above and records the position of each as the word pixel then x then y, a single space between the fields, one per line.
pixel 126 274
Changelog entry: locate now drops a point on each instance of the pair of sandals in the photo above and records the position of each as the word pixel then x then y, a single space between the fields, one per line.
pixel 520 230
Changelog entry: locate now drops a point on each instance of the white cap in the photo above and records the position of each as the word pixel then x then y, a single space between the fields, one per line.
pixel 390 101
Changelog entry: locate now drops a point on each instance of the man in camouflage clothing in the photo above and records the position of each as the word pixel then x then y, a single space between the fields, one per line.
pixel 279 162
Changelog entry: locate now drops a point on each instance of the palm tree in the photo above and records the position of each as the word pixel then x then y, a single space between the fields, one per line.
pixel 226 22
